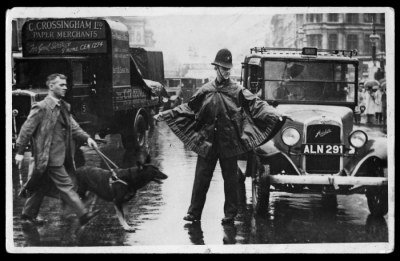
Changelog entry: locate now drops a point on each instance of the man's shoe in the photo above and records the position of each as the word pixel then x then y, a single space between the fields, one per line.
pixel 83 220
pixel 34 221
pixel 190 217
pixel 228 221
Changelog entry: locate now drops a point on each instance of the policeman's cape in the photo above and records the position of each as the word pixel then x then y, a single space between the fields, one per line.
pixel 247 121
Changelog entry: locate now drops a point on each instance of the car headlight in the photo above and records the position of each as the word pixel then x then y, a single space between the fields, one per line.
pixel 15 113
pixel 290 136
pixel 358 139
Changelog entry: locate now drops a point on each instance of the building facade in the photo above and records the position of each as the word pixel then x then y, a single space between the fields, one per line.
pixel 139 34
pixel 343 31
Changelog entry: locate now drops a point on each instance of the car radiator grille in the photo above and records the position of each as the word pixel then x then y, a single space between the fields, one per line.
pixel 322 164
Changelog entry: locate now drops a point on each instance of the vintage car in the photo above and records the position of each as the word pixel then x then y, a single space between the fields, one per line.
pixel 181 89
pixel 318 151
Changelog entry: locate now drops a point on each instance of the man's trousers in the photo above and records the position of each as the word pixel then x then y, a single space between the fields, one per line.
pixel 204 172
pixel 65 186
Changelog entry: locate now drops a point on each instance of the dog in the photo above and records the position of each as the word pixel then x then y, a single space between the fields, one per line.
pixel 120 191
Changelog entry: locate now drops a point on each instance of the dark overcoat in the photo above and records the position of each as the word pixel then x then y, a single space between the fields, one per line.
pixel 225 120
pixel 38 128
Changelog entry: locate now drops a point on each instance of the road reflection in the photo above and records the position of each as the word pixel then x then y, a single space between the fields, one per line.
pixel 157 210
pixel 299 218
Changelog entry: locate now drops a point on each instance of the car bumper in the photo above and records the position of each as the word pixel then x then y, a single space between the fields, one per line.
pixel 328 180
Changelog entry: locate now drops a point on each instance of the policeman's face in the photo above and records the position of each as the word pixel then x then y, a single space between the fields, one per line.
pixel 223 73
pixel 58 87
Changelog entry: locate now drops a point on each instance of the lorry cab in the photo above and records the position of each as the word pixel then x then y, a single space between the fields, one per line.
pixel 106 89
pixel 31 74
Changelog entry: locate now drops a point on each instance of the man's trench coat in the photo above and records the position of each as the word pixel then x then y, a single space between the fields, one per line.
pixel 224 120
pixel 38 128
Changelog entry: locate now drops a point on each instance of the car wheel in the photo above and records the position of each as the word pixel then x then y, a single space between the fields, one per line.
pixel 260 190
pixel 377 196
pixel 241 176
pixel 329 201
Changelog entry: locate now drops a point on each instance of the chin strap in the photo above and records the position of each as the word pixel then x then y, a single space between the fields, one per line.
pixel 223 79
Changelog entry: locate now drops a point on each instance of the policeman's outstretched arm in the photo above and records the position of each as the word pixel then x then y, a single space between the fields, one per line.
pixel 158 117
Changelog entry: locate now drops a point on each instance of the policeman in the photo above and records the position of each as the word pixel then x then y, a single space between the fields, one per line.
pixel 221 121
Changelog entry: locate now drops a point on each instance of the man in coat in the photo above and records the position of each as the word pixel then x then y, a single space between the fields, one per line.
pixel 52 130
pixel 221 121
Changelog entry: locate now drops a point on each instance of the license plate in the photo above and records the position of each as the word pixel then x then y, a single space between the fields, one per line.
pixel 322 149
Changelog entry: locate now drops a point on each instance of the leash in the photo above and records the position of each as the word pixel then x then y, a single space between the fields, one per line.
pixel 114 178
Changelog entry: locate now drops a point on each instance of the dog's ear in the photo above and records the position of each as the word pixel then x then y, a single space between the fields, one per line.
pixel 139 165
pixel 148 159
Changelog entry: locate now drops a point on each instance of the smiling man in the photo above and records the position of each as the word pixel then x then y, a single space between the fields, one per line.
pixel 52 129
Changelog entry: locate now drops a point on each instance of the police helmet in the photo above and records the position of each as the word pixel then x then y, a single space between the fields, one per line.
pixel 223 58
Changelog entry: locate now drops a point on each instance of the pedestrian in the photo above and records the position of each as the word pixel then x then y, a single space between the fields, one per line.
pixel 384 103
pixel 221 121
pixel 379 74
pixel 52 131
pixel 378 104
pixel 360 108
pixel 369 104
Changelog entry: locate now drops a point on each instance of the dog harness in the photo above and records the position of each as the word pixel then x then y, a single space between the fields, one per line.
pixel 114 178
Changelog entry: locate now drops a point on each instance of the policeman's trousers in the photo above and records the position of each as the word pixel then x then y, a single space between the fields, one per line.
pixel 204 172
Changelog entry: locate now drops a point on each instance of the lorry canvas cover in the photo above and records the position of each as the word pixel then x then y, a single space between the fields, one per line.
pixel 150 63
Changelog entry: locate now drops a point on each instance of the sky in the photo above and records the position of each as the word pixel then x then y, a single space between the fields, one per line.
pixel 175 34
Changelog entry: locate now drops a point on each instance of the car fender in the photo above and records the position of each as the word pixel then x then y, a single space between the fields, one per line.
pixel 374 149
pixel 269 153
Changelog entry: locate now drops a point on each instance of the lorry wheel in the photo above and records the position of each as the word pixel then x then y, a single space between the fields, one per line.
pixel 260 190
pixel 377 198
pixel 127 141
pixel 139 131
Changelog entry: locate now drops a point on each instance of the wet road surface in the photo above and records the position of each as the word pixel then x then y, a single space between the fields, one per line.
pixel 157 210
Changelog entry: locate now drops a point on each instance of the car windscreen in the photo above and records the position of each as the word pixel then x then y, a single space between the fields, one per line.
pixel 173 82
pixel 33 73
pixel 309 81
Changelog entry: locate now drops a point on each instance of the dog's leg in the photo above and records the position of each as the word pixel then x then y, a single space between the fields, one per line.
pixel 119 208
pixel 91 201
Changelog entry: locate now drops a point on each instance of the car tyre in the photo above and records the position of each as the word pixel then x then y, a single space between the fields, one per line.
pixel 377 198
pixel 329 201
pixel 241 176
pixel 260 190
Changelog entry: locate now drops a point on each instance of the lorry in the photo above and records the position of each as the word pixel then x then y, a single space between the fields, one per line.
pixel 107 88
pixel 319 150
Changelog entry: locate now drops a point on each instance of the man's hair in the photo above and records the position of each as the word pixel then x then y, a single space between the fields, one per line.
pixel 54 76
